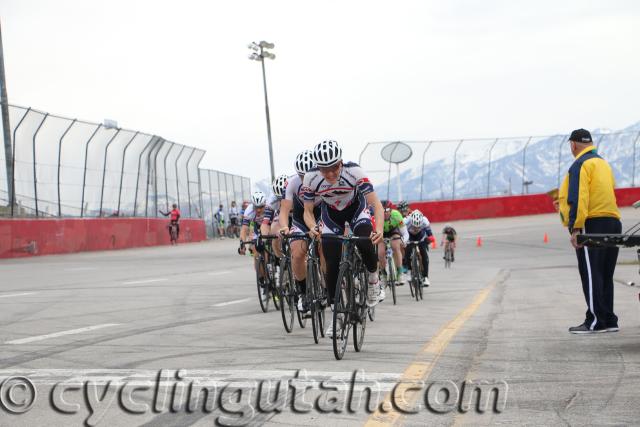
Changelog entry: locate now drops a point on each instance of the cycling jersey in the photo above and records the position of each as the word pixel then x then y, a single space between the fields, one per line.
pixel 420 233
pixel 219 216
pixel 394 221
pixel 272 209
pixel 250 215
pixel 351 183
pixel 233 212
pixel 450 233
pixel 295 194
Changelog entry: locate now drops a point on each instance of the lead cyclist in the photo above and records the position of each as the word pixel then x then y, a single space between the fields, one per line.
pixel 346 193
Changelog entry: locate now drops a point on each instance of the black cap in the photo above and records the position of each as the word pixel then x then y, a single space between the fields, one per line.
pixel 580 135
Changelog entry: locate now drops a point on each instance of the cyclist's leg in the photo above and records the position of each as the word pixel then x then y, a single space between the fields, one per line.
pixel 362 226
pixel 424 253
pixel 276 244
pixel 396 245
pixel 382 255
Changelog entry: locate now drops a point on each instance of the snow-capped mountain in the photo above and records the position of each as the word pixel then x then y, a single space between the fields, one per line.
pixel 546 161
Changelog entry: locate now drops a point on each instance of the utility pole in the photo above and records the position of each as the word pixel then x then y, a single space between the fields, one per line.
pixel 6 126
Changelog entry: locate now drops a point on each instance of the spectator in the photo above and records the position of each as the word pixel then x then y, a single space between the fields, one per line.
pixel 219 219
pixel 587 204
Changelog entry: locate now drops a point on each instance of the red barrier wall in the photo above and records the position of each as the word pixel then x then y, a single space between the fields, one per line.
pixel 27 237
pixel 492 207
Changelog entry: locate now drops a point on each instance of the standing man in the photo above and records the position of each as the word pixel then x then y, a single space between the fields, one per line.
pixel 588 205
pixel 219 218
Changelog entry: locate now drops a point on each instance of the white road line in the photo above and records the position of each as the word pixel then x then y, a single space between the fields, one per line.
pixel 238 301
pixel 60 334
pixel 218 273
pixel 135 282
pixel 17 295
pixel 79 269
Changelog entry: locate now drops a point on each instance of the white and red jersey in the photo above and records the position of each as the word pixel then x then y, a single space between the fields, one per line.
pixel 351 182
pixel 250 215
pixel 272 209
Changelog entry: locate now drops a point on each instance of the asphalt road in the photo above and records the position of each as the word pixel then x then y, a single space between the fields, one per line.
pixel 93 331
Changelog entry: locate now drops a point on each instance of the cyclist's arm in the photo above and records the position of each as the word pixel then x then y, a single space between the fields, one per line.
pixel 404 232
pixel 243 232
pixel 285 208
pixel 309 218
pixel 378 212
pixel 164 213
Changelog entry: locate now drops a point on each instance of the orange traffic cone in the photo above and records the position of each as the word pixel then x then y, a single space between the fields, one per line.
pixel 479 241
pixel 546 238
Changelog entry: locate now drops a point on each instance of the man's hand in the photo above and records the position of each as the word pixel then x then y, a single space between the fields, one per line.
pixel 574 238
pixel 314 233
pixel 284 230
pixel 242 250
pixel 376 237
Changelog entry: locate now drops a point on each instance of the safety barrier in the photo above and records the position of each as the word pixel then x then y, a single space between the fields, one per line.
pixel 28 237
pixel 494 207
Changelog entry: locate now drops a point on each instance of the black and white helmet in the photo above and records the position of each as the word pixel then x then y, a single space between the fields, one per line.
pixel 279 185
pixel 304 162
pixel 327 153
pixel 258 199
pixel 416 218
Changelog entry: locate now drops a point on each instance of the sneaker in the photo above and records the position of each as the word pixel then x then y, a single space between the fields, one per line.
pixel 584 329
pixel 372 294
pixel 301 306
pixel 613 328
pixel 382 294
pixel 425 282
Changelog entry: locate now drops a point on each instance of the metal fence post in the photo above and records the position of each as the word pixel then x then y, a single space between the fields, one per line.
pixel 213 231
pixel 177 177
pixel 422 175
pixel 59 161
pixel 489 171
pixel 13 163
pixel 35 175
pixel 104 170
pixel 524 159
pixel 188 183
pixel 220 187
pixel 84 174
pixel 633 176
pixel 200 194
pixel 124 155
pixel 166 179
pixel 455 161
pixel 151 142
pixel 361 153
pixel 161 142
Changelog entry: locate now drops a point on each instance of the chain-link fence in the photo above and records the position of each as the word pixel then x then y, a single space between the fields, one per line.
pixel 73 168
pixel 469 168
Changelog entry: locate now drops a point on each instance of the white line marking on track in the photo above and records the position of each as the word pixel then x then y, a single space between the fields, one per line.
pixel 238 301
pixel 79 269
pixel 17 295
pixel 60 334
pixel 135 282
pixel 218 273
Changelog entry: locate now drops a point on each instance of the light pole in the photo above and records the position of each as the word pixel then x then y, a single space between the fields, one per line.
pixel 259 53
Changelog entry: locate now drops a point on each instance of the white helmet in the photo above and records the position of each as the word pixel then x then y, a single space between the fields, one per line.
pixel 416 218
pixel 258 199
pixel 327 153
pixel 304 162
pixel 279 185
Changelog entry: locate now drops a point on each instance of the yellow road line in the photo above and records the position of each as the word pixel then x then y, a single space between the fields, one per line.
pixel 425 360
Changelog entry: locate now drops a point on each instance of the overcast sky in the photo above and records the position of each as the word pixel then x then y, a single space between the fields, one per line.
pixel 354 71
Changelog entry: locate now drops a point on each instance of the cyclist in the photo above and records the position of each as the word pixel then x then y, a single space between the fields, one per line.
pixel 449 239
pixel 219 219
pixel 294 202
pixel 419 230
pixel 174 218
pixel 404 208
pixel 394 229
pixel 271 221
pixel 253 214
pixel 345 192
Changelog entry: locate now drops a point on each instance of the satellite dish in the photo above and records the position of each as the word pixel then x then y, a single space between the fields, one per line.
pixel 396 152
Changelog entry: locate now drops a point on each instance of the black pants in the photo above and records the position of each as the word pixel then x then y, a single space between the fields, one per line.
pixel 423 247
pixel 597 266
pixel 332 249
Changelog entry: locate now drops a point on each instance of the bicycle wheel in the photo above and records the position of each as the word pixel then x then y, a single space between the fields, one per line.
pixel 313 300
pixel 287 300
pixel 341 308
pixel 415 275
pixel 302 319
pixel 391 278
pixel 263 285
pixel 360 309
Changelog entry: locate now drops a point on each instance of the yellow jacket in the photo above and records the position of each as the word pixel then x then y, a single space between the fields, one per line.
pixel 587 190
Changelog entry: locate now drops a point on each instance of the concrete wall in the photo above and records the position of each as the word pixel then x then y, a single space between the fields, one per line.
pixel 28 237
